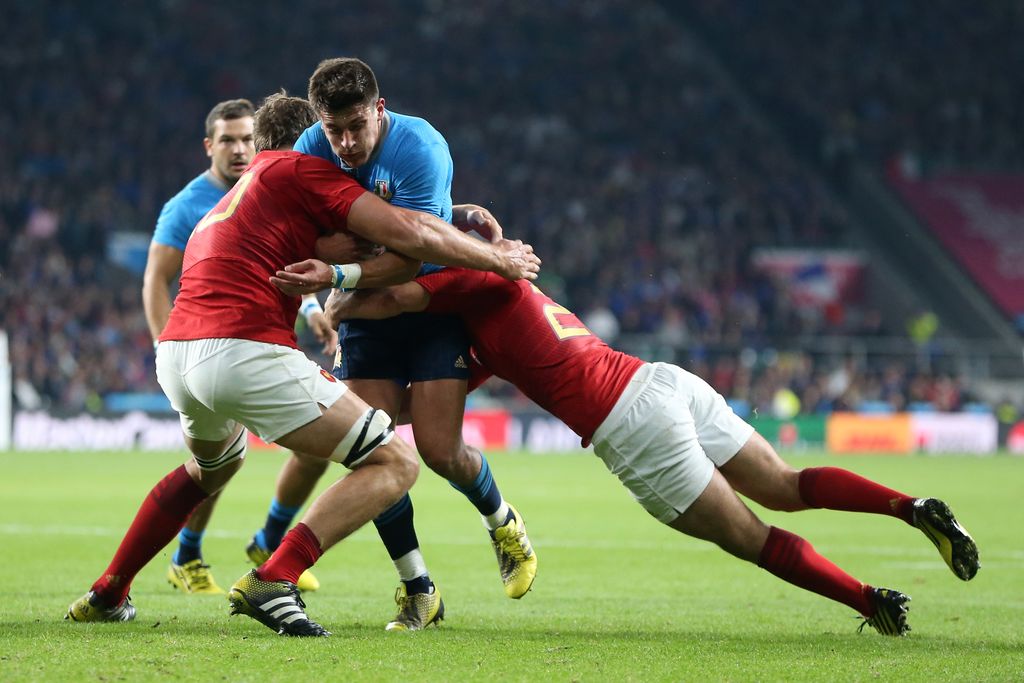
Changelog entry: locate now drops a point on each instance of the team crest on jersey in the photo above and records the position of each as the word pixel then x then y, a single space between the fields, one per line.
pixel 328 376
pixel 381 190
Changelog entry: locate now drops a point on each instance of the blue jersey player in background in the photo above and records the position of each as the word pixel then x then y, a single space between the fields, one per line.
pixel 229 145
pixel 405 161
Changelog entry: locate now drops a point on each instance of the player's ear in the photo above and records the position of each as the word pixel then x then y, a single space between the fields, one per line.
pixel 380 106
pixel 208 146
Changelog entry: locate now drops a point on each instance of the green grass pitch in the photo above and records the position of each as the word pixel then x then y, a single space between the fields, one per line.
pixel 618 596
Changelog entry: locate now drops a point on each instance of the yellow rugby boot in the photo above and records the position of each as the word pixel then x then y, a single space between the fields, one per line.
pixel 416 611
pixel 89 607
pixel 517 562
pixel 958 549
pixel 275 604
pixel 193 577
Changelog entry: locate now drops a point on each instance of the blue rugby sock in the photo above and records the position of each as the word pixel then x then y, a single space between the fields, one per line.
pixel 396 528
pixel 279 518
pixel 483 492
pixel 190 546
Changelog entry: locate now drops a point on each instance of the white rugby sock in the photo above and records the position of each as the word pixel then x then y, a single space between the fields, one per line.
pixel 497 518
pixel 411 565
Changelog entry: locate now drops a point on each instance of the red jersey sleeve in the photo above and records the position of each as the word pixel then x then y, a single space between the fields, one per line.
pixel 329 192
pixel 452 290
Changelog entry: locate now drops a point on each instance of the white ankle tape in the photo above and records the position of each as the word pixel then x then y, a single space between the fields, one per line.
pixel 236 451
pixel 372 429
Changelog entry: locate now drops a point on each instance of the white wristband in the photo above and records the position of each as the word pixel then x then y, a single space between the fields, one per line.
pixel 346 276
pixel 309 306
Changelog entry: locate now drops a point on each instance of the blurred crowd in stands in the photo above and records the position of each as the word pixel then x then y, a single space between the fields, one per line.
pixel 929 84
pixel 593 129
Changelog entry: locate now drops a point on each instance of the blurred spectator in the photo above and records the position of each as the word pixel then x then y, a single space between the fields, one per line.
pixel 593 130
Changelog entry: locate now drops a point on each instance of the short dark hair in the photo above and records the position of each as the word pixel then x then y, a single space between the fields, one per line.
pixel 228 110
pixel 341 83
pixel 280 121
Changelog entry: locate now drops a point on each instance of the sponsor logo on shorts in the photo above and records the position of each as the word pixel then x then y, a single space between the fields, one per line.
pixel 328 376
pixel 460 362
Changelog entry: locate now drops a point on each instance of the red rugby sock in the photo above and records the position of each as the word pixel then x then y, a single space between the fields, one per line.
pixel 299 550
pixel 793 559
pixel 838 489
pixel 161 516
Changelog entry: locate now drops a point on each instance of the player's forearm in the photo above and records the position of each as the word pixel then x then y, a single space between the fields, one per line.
pixel 156 301
pixel 435 241
pixel 390 268
pixel 376 304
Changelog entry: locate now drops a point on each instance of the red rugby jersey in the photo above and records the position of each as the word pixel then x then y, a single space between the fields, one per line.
pixel 272 217
pixel 522 336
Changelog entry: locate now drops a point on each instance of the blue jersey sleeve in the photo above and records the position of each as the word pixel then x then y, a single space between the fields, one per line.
pixel 175 224
pixel 424 181
pixel 314 142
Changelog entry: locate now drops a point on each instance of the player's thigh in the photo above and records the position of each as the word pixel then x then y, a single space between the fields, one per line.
pixel 652 448
pixel 720 431
pixel 383 394
pixel 759 473
pixel 204 428
pixel 719 516
pixel 214 463
pixel 437 408
pixel 271 389
pixel 351 432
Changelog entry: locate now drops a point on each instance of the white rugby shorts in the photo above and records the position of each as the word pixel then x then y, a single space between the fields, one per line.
pixel 216 383
pixel 665 436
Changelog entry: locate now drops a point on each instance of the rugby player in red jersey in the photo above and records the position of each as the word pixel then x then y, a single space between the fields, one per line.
pixel 669 436
pixel 228 361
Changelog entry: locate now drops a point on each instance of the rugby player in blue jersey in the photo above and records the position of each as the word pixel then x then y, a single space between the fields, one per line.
pixel 405 161
pixel 229 145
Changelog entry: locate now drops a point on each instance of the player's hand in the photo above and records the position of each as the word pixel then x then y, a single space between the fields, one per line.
pixel 304 277
pixel 336 307
pixel 483 222
pixel 517 260
pixel 324 332
pixel 344 247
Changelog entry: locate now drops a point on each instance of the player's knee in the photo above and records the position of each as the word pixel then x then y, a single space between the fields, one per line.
pixel 438 453
pixel 398 468
pixel 408 465
pixel 370 431
pixel 309 465
pixel 228 460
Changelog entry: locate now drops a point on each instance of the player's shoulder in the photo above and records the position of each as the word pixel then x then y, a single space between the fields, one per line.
pixel 199 190
pixel 313 134
pixel 406 129
pixel 191 202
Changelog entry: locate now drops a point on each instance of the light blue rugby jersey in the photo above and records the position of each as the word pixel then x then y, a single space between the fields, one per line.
pixel 412 167
pixel 184 210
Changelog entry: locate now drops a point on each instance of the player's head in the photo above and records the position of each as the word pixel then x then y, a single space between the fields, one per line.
pixel 280 121
pixel 228 139
pixel 344 93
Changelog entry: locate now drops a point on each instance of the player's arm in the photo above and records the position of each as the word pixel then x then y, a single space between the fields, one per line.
pixel 379 268
pixel 315 317
pixel 427 238
pixel 416 234
pixel 163 264
pixel 376 304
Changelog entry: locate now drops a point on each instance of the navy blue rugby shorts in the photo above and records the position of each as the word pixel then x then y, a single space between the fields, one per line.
pixel 412 347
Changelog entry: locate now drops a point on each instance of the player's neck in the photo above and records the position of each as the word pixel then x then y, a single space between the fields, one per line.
pixel 385 127
pixel 219 180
